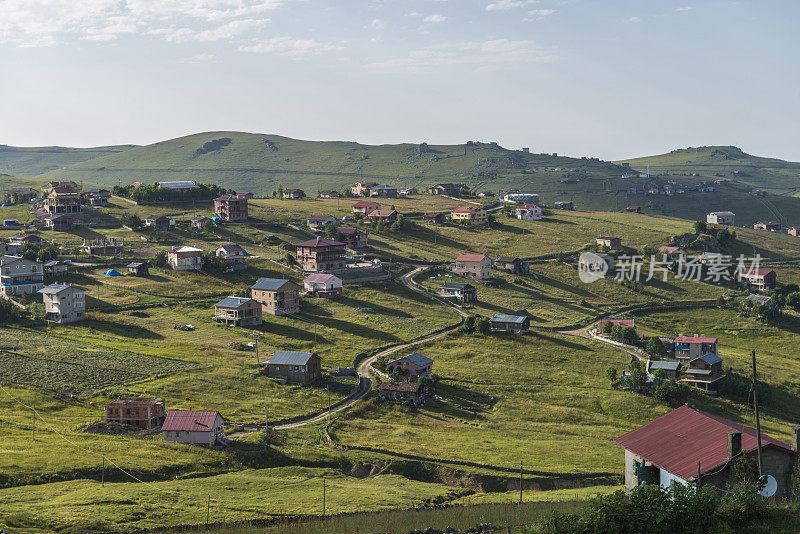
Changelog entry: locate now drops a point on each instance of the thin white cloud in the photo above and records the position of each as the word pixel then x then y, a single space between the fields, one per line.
pixel 202 58
pixel 633 20
pixel 483 55
pixel 538 14
pixel 378 24
pixel 684 8
pixel 294 48
pixel 505 5
pixel 414 14
pixel 434 18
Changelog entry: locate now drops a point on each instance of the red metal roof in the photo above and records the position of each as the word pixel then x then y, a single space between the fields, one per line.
pixel 676 441
pixel 621 322
pixel 190 420
pixel 466 209
pixel 758 272
pixel 320 242
pixel 471 257
pixel 526 206
pixel 695 339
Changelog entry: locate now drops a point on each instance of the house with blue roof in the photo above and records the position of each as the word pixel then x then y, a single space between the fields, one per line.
pixel 294 366
pixel 238 311
pixel 412 366
pixel 704 372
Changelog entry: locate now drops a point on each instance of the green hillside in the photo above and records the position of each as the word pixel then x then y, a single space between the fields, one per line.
pixel 32 161
pixel 731 162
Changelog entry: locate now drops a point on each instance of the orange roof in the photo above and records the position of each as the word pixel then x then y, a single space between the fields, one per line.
pixel 466 209
pixel 472 257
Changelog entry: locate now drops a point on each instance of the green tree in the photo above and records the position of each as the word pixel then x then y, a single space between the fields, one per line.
pixel 331 231
pixel 483 325
pixel 280 190
pixel 289 258
pixel 655 347
pixel 160 259
pixel 468 325
pixel 700 227
pixel 611 374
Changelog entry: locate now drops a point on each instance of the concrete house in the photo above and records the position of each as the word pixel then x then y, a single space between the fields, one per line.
pixel 56 268
pixel 412 366
pixel 10 249
pixel 62 199
pixel 446 189
pixel 231 207
pixel 511 264
pixel 296 367
pixel 564 205
pixel 20 276
pixel 103 247
pixel 199 223
pixel 64 303
pixel 293 194
pixel 159 222
pixel 277 296
pixel 138 268
pixel 238 311
pixel 772 226
pixel 513 324
pixel 760 279
pixel 230 252
pixel 146 413
pixel 412 393
pixel 361 189
pixel 459 292
pixel 319 222
pixel 387 216
pixel 321 255
pixel 352 237
pixel 686 442
pixel 185 258
pixel 476 266
pixel 721 217
pixel 193 427
pixel 529 212
pixel 471 215
pixel 25 239
pixel 365 207
pixel 323 285
pixel 383 191
pixel 611 243
pixel 687 348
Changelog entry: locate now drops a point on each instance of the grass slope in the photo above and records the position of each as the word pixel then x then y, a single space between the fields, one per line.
pixel 32 161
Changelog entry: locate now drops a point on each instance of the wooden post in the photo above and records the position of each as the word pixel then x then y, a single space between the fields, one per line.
pixel 698 474
pixel 208 510
pixel 103 473
pixel 323 497
pixel 34 420
pixel 758 420
pixel 520 481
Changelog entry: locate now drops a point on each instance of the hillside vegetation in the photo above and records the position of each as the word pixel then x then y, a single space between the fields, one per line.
pixel 32 161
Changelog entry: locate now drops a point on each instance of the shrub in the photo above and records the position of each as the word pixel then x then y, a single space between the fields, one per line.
pixel 743 504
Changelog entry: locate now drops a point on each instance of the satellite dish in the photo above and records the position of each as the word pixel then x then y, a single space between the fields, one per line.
pixel 770 486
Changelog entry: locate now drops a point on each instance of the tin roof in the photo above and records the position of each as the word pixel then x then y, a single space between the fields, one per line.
pixel 471 257
pixel 232 302
pixel 320 242
pixel 518 319
pixel 320 278
pixel 270 284
pixel 677 441
pixel 54 289
pixel 665 365
pixel 290 357
pixel 190 420
pixel 695 339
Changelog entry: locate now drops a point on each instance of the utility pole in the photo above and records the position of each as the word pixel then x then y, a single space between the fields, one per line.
pixel 520 481
pixel 323 497
pixel 34 420
pixel 266 417
pixel 755 406
pixel 208 510
pixel 103 473
pixel 257 362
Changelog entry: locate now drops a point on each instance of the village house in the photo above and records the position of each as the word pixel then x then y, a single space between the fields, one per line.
pixel 564 205
pixel 293 194
pixel 62 199
pixel 352 237
pixel 185 258
pixel 760 279
pixel 633 209
pixel 138 268
pixel 159 222
pixel 529 212
pixel 365 207
pixel 10 249
pixel 277 296
pixel 772 226
pixel 434 217
pixel 703 372
pixel 319 222
pixel 63 303
pixel 671 368
pixel 96 197
pixel 193 426
pixel 611 243
pixel 246 195
pixel 230 252
pixel 59 222
pixel 146 413
pixel 103 247
pixel 22 194
pixel 624 323
pixel 295 367
pixel 56 268
pixel 412 393
pixel 199 223
pixel 406 191
pixel 323 285
pixel 231 207
pixel 383 191
pixel 48 187
pixel 20 276
pixel 447 189
pixel 387 216
pixel 472 215
pixel 459 292
pixel 238 311
pixel 513 324
pixel 686 442
pixel 26 239
pixel 361 189
pixel 411 366
pixel 511 264
pixel 793 230
pixel 688 348
pixel 476 266
pixel 328 193
pixel 721 217
pixel 321 255
pixel 524 198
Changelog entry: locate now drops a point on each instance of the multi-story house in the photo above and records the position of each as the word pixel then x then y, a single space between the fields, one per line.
pixel 64 303
pixel 20 276
pixel 476 266
pixel 384 191
pixel 687 348
pixel 142 412
pixel 446 189
pixel 352 237
pixel 185 258
pixel 365 207
pixel 361 189
pixel 721 217
pixel 529 212
pixel 277 296
pixel 320 255
pixel 760 279
pixel 231 207
pixel 471 215
pixel 62 199
pixel 238 311
pixel 293 194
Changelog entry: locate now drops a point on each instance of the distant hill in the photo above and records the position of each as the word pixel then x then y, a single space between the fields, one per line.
pixel 32 161
pixel 728 162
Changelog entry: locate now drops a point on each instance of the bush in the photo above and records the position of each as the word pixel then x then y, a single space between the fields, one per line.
pixel 468 326
pixel 743 504
pixel 671 393
pixel 656 347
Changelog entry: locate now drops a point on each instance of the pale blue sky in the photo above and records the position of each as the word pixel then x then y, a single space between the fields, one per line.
pixel 600 78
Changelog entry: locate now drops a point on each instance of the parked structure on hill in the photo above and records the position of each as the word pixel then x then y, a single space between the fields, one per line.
pixel 194 427
pixel 20 276
pixel 471 215
pixel 476 266
pixel 411 366
pixel 611 243
pixel 320 255
pixel 185 258
pixel 238 311
pixel 323 285
pixel 277 296
pixel 231 207
pixel 761 279
pixel 772 226
pixel 64 303
pixel 459 292
pixel 295 367
pixel 513 324
pixel 721 217
pixel 62 199
pixel 687 443
pixel 146 413
pixel 412 393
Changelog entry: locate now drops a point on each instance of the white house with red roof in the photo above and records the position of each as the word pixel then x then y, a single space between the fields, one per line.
pixel 760 279
pixel 476 266
pixel 365 207
pixel 721 217
pixel 687 443
pixel 529 212
pixel 688 348
pixel 193 426
pixel 323 285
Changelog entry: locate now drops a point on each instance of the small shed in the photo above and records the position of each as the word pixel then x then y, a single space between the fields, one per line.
pixel 296 367
pixel 513 324
pixel 412 393
pixel 138 268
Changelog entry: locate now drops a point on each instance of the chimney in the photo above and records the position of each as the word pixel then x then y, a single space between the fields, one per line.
pixel 734 443
pixel 795 437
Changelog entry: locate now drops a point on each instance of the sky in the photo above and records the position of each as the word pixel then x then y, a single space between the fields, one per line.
pixel 609 79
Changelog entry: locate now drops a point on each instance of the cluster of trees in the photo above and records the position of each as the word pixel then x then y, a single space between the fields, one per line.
pixel 214 144
pixel 788 295
pixel 740 387
pixel 657 349
pixel 475 324
pixel 154 193
pixel 9 313
pixel 722 235
pixel 624 334
pixel 45 252
pixel 662 389
pixel 131 220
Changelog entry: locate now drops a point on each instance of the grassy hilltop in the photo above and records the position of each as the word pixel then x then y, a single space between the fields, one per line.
pixel 31 161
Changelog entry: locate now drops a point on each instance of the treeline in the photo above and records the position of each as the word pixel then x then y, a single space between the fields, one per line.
pixel 154 193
